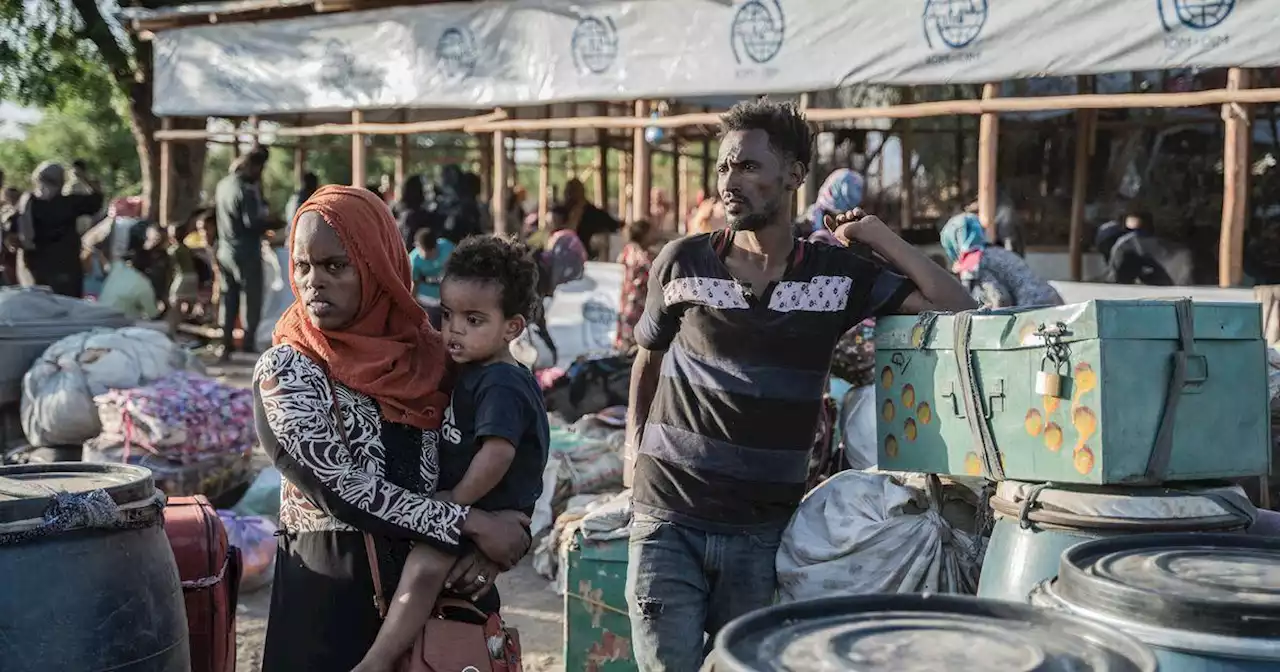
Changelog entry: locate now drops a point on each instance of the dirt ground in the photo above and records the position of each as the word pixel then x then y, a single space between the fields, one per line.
pixel 528 603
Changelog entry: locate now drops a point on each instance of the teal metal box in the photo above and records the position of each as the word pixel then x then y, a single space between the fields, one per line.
pixel 597 630
pixel 1115 361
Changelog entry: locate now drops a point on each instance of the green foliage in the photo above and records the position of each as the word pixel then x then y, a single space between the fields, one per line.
pixel 77 130
pixel 48 55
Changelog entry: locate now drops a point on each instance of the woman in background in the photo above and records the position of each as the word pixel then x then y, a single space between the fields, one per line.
pixel 636 258
pixel 996 277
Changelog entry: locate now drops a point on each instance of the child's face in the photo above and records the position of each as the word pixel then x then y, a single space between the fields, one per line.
pixel 472 323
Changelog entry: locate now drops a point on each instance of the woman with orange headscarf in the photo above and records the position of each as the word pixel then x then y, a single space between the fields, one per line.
pixel 349 403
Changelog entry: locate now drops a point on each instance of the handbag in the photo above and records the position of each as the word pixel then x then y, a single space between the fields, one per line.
pixel 445 645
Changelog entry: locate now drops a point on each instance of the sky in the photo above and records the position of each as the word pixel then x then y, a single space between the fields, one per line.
pixel 13 117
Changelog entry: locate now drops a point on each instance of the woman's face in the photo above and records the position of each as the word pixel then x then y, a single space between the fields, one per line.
pixel 327 281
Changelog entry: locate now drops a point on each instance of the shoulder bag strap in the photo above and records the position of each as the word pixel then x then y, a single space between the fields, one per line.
pixel 371 551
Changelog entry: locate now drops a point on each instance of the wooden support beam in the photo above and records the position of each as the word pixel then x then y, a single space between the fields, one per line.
pixel 403 146
pixel 359 163
pixel 406 128
pixel 601 162
pixel 906 181
pixel 544 176
pixel 299 162
pixel 802 194
pixel 677 191
pixel 708 185
pixel 166 178
pixel 641 178
pixel 1086 133
pixel 254 125
pixel 988 152
pixel 498 200
pixel 683 199
pixel 1235 188
pixel 624 185
pixel 487 163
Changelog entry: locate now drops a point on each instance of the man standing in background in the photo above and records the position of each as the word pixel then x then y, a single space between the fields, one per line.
pixel 242 222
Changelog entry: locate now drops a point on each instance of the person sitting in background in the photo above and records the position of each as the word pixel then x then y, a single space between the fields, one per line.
pixel 127 288
pixel 1137 256
pixel 995 277
pixel 426 262
pixel 636 258
pixel 592 224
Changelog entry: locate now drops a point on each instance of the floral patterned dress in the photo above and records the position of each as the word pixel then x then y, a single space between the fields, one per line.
pixel 635 260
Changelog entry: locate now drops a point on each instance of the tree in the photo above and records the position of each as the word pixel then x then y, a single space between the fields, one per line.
pixel 55 53
pixel 77 130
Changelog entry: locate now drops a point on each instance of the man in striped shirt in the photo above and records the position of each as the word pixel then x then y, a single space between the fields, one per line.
pixel 735 345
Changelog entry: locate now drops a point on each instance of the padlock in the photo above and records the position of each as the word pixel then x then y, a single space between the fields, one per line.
pixel 1048 383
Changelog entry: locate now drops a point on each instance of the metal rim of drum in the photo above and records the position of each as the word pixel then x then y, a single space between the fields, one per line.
pixel 1087 579
pixel 124 483
pixel 752 629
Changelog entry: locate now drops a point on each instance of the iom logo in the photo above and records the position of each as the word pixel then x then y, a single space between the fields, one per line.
pixel 758 31
pixel 1194 14
pixel 456 52
pixel 953 23
pixel 595 44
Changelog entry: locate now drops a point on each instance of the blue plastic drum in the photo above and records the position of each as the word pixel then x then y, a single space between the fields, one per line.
pixel 1202 602
pixel 921 633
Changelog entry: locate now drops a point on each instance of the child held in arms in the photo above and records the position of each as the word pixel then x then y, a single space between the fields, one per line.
pixel 495 434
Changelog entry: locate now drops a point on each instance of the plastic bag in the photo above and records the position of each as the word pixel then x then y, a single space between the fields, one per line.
pixel 255 536
pixel 861 533
pixel 263 496
pixel 858 427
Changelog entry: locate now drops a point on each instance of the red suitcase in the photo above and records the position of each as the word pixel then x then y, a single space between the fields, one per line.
pixel 210 573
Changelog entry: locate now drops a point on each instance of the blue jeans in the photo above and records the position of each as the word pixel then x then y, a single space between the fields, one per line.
pixel 683 582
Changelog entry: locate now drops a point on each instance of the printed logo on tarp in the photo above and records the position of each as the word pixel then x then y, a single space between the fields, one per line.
pixel 340 71
pixel 758 31
pixel 456 52
pixel 1187 23
pixel 595 44
pixel 953 25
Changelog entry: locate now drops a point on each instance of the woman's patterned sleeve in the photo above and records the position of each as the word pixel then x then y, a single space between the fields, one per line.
pixel 298 428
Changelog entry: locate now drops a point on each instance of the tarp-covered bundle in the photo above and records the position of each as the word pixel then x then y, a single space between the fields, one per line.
pixel 194 433
pixel 58 390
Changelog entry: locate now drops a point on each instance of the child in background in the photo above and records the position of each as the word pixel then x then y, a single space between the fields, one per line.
pixel 495 435
pixel 426 263
pixel 127 288
pixel 184 284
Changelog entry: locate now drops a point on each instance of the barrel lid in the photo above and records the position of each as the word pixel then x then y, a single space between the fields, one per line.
pixel 919 633
pixel 26 490
pixel 1224 584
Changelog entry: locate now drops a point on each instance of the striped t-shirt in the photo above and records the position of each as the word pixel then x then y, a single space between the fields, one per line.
pixel 727 442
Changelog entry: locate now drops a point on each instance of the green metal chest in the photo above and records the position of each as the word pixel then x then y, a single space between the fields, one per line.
pixel 597 629
pixel 1103 392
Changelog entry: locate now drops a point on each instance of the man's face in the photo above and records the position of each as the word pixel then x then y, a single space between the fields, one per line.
pixel 755 182
pixel 252 171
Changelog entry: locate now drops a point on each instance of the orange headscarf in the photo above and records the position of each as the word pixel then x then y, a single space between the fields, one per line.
pixel 390 351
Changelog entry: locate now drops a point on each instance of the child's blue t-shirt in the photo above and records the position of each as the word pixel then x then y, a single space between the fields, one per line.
pixel 428 272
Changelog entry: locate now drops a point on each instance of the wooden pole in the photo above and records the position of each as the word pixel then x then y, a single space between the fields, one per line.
pixel 988 152
pixel 676 192
pixel 683 200
pixel 402 164
pixel 802 194
pixel 487 163
pixel 166 176
pixel 544 177
pixel 906 183
pixel 708 186
pixel 1086 128
pixel 624 185
pixel 498 201
pixel 1235 188
pixel 642 179
pixel 602 162
pixel 254 141
pixel 359 165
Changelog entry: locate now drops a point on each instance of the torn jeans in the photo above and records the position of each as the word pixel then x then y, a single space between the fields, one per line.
pixel 683 582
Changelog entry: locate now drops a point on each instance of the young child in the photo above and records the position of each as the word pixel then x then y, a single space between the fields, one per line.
pixel 495 436
pixel 426 262
pixel 183 283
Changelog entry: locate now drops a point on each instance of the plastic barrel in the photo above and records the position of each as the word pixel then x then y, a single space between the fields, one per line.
pixel 1025 550
pixel 90 580
pixel 921 633
pixel 1202 602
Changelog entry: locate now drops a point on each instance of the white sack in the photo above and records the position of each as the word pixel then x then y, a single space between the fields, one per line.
pixel 58 390
pixel 855 534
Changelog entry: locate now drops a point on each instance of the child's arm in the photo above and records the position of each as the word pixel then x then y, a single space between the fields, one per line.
pixel 420 585
pixel 486 471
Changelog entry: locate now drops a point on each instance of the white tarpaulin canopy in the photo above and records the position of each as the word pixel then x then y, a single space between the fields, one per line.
pixel 480 55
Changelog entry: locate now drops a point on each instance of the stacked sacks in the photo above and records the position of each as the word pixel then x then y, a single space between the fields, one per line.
pixel 58 390
pixel 194 433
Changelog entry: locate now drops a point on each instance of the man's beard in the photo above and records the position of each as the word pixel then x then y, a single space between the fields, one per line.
pixel 756 221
